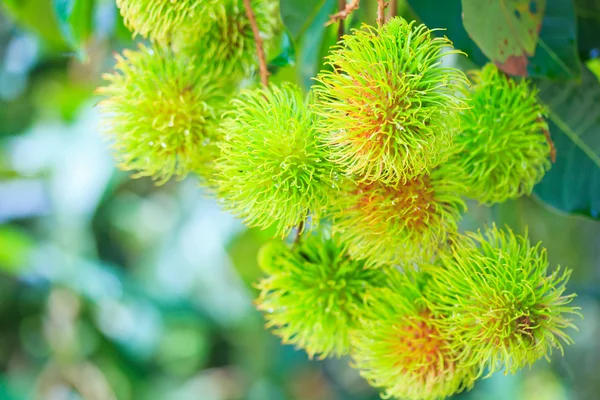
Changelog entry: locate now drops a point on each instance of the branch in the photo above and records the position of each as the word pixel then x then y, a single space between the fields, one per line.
pixel 550 143
pixel 340 32
pixel 393 9
pixel 342 14
pixel 381 5
pixel 299 232
pixel 260 50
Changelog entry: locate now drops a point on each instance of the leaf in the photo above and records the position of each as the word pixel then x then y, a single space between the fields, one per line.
pixel 573 183
pixel 15 249
pixel 297 15
pixel 75 21
pixel 447 15
pixel 506 31
pixel 556 53
pixel 287 55
pixel 315 44
pixel 37 16
pixel 588 27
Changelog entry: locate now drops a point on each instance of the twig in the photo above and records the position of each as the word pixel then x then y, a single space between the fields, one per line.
pixel 341 6
pixel 342 14
pixel 260 50
pixel 550 142
pixel 381 5
pixel 299 232
pixel 393 9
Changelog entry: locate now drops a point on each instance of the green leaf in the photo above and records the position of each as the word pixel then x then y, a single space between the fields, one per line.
pixel 594 66
pixel 287 55
pixel 37 16
pixel 297 15
pixel 588 27
pixel 447 15
pixel 315 44
pixel 15 248
pixel 506 31
pixel 573 183
pixel 75 21
pixel 556 53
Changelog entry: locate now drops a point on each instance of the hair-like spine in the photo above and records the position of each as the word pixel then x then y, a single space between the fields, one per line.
pixel 389 108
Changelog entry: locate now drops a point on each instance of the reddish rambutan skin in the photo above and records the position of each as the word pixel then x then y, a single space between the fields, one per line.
pixel 401 349
pixel 389 108
pixel 400 224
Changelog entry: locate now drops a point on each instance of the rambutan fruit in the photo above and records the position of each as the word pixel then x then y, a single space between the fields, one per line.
pixel 494 295
pixel 502 148
pixel 228 40
pixel 162 20
pixel 400 349
pixel 389 108
pixel 273 169
pixel 399 224
pixel 314 293
pixel 161 113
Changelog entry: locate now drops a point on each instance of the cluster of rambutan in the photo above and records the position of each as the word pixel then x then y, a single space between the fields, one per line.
pixel 164 103
pixel 368 173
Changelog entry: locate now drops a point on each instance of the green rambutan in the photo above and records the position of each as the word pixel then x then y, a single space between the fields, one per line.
pixel 400 349
pixel 162 20
pixel 314 293
pixel 493 294
pixel 228 40
pixel 399 224
pixel 273 168
pixel 502 147
pixel 389 108
pixel 161 112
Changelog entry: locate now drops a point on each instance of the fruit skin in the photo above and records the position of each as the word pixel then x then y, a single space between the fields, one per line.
pixel 502 147
pixel 494 294
pixel 314 293
pixel 402 224
pixel 389 108
pixel 228 40
pixel 273 168
pixel 162 20
pixel 161 111
pixel 401 350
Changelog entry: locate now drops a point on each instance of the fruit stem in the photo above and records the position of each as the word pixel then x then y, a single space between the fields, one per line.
pixel 343 13
pixel 260 50
pixel 381 5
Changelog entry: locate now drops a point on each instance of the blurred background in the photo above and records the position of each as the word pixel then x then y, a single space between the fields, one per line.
pixel 113 288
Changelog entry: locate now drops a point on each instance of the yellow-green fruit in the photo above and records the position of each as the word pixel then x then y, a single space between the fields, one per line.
pixel 228 40
pixel 389 108
pixel 315 293
pixel 399 224
pixel 162 20
pixel 502 148
pixel 161 112
pixel 493 293
pixel 401 350
pixel 273 168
